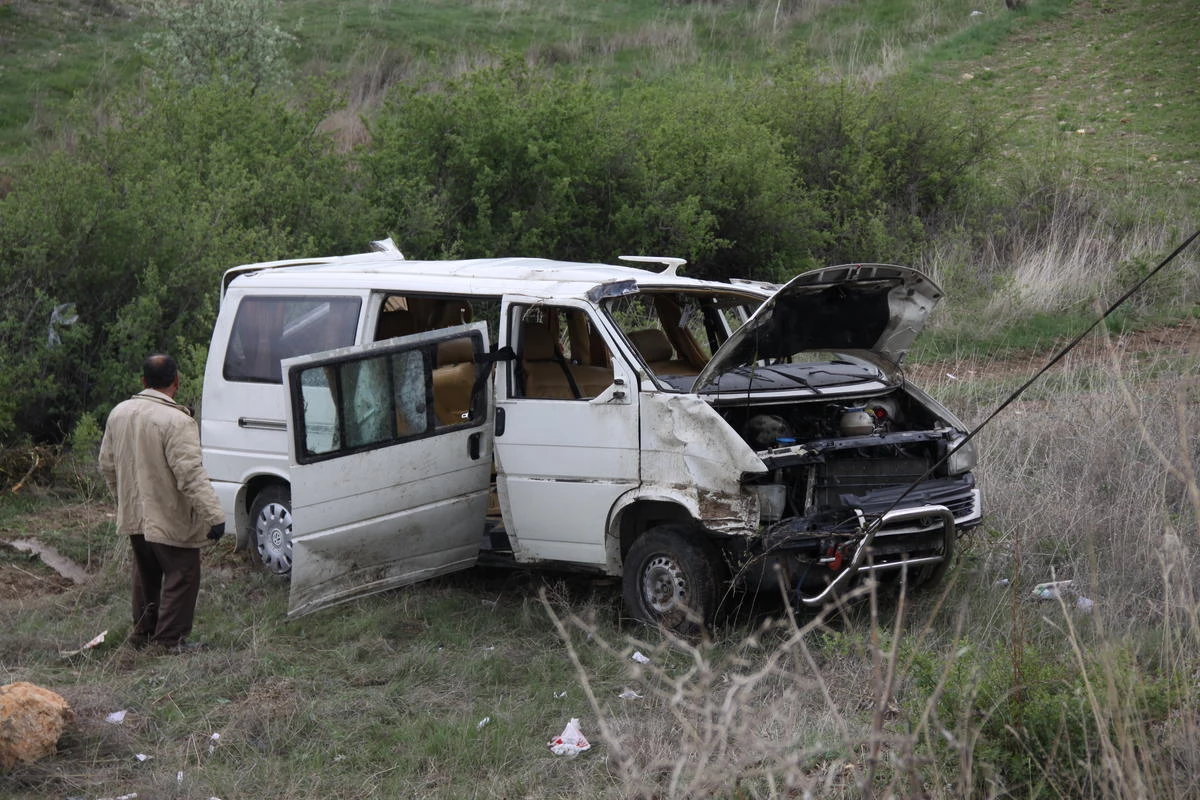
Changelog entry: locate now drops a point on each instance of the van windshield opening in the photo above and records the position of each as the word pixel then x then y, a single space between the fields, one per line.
pixel 677 332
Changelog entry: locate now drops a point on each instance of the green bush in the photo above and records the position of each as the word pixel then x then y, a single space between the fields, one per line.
pixel 500 162
pixel 1036 725
pixel 891 172
pixel 135 225
pixel 231 41
pixel 750 177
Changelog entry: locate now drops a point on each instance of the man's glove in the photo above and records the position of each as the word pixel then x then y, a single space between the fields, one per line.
pixel 216 531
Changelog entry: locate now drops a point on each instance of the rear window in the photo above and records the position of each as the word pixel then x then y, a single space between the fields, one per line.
pixel 267 330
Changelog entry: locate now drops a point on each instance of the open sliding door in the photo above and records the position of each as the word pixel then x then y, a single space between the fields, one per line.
pixel 391 458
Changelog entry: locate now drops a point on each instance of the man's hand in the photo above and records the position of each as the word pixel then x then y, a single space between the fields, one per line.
pixel 216 531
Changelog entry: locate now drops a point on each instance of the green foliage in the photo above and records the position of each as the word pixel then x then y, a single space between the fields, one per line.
pixel 501 162
pixel 135 225
pixel 889 171
pixel 230 41
pixel 715 183
pixel 1034 720
pixel 749 178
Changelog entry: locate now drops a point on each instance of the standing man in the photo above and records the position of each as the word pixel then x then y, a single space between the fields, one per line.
pixel 150 459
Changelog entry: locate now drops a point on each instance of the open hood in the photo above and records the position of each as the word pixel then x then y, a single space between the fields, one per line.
pixel 866 308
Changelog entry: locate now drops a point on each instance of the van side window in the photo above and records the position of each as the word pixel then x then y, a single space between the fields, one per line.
pixel 404 315
pixel 561 355
pixel 355 404
pixel 269 329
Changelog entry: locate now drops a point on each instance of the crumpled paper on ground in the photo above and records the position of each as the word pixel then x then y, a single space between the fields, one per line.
pixel 570 742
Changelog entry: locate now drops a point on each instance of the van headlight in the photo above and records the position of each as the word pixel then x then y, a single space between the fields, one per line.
pixel 963 459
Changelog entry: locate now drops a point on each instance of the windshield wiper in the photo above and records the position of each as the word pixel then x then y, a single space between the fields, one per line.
pixel 749 372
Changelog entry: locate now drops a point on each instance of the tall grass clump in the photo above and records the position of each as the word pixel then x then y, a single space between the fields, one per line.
pixel 1090 478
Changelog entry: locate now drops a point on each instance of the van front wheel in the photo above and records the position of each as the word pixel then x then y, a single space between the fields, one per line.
pixel 271 516
pixel 670 579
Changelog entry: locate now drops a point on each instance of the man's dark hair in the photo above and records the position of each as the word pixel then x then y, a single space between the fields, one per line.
pixel 159 371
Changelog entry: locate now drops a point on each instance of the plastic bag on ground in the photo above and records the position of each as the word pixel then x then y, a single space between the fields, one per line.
pixel 570 742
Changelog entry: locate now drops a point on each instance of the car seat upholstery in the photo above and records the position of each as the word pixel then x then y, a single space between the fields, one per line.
pixel 655 349
pixel 453 380
pixel 547 373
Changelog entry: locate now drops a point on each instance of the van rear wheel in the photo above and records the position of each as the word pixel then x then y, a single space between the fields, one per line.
pixel 271 518
pixel 671 579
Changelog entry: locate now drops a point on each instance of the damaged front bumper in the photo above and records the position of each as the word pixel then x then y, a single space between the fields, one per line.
pixel 874 550
pixel 813 566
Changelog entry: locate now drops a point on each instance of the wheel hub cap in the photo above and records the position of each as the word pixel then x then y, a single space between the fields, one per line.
pixel 664 585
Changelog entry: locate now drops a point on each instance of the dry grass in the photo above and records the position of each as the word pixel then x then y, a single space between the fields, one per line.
pixel 1093 480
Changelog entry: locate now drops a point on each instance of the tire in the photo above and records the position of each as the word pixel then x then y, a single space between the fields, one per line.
pixel 671 580
pixel 271 525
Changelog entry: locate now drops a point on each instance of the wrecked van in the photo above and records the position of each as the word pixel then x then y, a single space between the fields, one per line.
pixel 370 421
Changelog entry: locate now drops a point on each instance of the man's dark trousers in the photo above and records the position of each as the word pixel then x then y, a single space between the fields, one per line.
pixel 166 583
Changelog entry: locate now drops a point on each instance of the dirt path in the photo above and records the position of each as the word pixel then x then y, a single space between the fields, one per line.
pixel 30 566
pixel 1180 339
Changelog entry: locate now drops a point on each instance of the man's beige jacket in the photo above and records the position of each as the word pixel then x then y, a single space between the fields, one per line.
pixel 150 459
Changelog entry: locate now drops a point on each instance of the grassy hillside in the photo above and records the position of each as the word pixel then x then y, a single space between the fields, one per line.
pixel 1110 85
pixel 451 689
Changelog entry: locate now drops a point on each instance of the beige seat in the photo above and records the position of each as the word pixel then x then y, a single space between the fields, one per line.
pixel 546 369
pixel 393 323
pixel 655 349
pixel 543 365
pixel 453 380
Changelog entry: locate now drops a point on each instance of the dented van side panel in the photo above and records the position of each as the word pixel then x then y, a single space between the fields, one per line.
pixel 688 450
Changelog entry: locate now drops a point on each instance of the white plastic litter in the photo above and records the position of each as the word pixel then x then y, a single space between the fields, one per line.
pixel 570 742
pixel 1084 604
pixel 98 639
pixel 559 695
pixel 629 694
pixel 143 757
pixel 116 717
pixel 213 741
pixel 639 657
pixel 482 723
pixel 1052 590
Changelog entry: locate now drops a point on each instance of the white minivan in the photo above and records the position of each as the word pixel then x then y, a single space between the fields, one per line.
pixel 370 421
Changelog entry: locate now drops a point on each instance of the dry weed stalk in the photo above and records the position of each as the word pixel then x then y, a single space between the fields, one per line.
pixel 762 717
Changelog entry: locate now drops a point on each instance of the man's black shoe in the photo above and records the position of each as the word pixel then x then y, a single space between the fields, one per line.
pixel 181 648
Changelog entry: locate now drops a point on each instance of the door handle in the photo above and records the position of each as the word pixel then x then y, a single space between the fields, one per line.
pixel 473 446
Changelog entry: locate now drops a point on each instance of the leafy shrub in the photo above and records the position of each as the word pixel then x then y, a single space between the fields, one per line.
pixel 135 225
pixel 232 41
pixel 500 162
pixel 747 177
pixel 890 171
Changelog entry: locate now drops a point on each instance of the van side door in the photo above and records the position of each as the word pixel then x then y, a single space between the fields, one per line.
pixel 390 445
pixel 570 442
